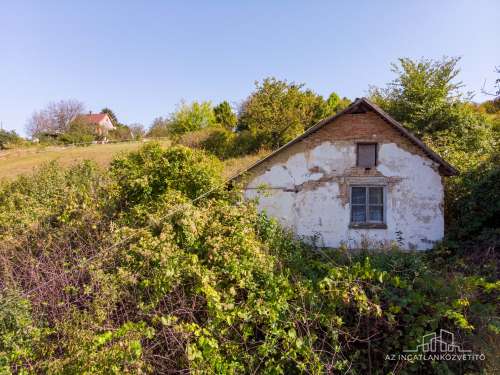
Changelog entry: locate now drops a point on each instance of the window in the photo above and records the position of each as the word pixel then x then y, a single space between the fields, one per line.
pixel 367 155
pixel 367 205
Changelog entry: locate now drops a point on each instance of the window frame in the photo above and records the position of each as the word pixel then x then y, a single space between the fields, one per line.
pixel 366 144
pixel 367 223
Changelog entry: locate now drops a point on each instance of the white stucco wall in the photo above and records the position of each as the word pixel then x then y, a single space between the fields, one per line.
pixel 106 124
pixel 307 193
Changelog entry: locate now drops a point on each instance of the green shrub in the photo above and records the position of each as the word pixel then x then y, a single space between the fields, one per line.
pixel 226 144
pixel 145 175
pixel 120 133
pixel 155 282
pixel 220 142
pixel 246 143
pixel 474 205
pixel 159 128
pixel 191 117
pixel 19 335
pixel 194 139
pixel 9 139
pixel 79 132
pixel 52 194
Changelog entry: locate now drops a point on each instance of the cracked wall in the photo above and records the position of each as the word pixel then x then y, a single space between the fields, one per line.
pixel 307 187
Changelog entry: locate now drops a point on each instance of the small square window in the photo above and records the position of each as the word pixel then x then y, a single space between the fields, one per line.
pixel 367 155
pixel 367 205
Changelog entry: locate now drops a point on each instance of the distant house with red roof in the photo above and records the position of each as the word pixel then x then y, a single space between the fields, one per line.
pixel 100 121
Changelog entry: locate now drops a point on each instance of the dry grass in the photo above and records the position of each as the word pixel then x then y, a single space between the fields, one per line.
pixel 195 138
pixel 23 160
pixel 236 165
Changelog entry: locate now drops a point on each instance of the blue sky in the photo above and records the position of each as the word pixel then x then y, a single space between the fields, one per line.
pixel 140 58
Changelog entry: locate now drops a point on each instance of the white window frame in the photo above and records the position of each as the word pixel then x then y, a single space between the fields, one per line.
pixel 369 224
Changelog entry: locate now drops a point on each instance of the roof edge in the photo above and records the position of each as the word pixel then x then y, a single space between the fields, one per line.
pixel 444 167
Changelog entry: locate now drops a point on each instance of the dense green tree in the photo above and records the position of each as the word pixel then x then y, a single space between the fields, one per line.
pixel 427 99
pixel 473 202
pixel 159 128
pixel 78 132
pixel 225 116
pixel 191 117
pixel 121 132
pixel 8 138
pixel 490 106
pixel 277 111
pixel 335 104
pixel 425 95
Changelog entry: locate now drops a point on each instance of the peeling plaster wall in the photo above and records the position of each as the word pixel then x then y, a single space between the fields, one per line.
pixel 309 193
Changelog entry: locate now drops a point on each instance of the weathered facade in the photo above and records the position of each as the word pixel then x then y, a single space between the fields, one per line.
pixel 356 178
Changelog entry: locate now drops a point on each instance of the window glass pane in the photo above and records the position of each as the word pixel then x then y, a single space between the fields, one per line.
pixel 367 155
pixel 358 195
pixel 376 213
pixel 376 195
pixel 358 214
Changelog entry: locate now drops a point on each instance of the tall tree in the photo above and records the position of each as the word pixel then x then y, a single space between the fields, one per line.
pixel 278 111
pixel 138 131
pixel 424 95
pixel 335 104
pixel 191 117
pixel 159 128
pixel 8 137
pixel 225 116
pixel 56 117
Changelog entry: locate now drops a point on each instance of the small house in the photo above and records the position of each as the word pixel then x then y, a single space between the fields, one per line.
pixel 101 123
pixel 358 178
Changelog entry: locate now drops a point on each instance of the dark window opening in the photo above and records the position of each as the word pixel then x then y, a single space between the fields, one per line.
pixel 367 205
pixel 367 155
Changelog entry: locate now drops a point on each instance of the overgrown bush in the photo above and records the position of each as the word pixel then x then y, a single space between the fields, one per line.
pixel 79 131
pixel 128 272
pixel 120 133
pixel 192 117
pixel 194 139
pixel 474 205
pixel 226 144
pixel 220 142
pixel 20 337
pixel 147 174
pixel 159 128
pixel 9 139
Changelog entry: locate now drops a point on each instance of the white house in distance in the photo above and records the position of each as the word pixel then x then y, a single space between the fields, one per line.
pixel 100 121
pixel 358 177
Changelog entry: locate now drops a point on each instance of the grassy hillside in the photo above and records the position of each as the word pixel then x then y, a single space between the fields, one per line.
pixel 23 160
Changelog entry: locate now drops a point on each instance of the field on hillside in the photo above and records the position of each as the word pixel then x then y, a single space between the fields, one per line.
pixel 23 160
